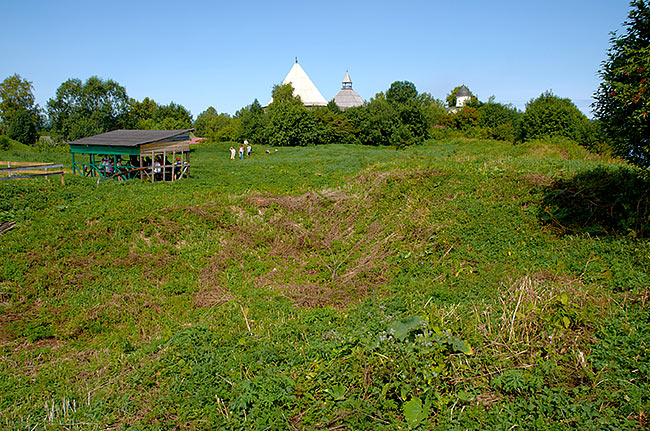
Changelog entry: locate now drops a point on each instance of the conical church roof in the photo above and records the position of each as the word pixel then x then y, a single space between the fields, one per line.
pixel 347 97
pixel 303 87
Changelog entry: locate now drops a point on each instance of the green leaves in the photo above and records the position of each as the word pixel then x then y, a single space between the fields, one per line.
pixel 337 392
pixel 414 411
pixel 403 327
pixel 623 99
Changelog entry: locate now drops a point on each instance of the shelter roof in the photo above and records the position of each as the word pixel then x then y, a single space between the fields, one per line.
pixel 130 138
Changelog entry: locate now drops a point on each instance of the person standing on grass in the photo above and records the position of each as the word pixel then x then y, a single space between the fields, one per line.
pixel 232 153
pixel 241 152
pixel 249 149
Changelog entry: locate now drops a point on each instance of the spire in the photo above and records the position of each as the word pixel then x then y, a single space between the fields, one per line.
pixel 347 97
pixel 347 82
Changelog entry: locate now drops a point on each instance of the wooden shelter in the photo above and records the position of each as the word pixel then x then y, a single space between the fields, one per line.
pixel 130 153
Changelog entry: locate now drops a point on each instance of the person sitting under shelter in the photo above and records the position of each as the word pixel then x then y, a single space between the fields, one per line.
pixel 157 170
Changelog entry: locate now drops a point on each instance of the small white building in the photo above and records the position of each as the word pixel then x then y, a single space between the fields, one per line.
pixel 462 97
pixel 347 97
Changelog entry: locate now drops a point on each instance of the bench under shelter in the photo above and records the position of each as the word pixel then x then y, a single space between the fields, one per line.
pixel 155 155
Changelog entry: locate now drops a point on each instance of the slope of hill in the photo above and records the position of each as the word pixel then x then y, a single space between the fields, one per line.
pixel 334 287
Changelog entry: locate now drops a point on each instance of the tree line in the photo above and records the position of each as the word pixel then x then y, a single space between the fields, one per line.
pixel 80 109
pixel 400 116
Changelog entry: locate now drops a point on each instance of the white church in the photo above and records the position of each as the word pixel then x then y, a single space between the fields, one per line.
pixel 309 94
pixel 346 97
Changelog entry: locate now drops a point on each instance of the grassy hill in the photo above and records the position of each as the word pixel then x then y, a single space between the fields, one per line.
pixel 334 287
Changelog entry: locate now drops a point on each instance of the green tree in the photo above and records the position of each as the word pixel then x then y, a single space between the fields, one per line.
pixel 412 124
pixel 141 113
pixel 622 100
pixel 172 117
pixel 5 142
pixel 85 109
pixel 252 123
pixel 209 123
pixel 401 92
pixel 499 121
pixel 22 128
pixel 376 123
pixel 289 122
pixel 549 116
pixel 16 98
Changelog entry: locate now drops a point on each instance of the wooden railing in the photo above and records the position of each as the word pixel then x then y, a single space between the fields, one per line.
pixel 21 170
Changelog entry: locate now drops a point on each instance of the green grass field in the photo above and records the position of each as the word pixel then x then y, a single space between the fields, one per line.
pixel 335 287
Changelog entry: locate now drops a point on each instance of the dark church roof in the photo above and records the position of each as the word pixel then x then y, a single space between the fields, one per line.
pixel 463 92
pixel 131 138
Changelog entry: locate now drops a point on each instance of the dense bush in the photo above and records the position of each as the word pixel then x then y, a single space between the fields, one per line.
pixel 22 128
pixel 400 117
pixel 375 123
pixel 500 121
pixel 251 124
pixel 4 142
pixel 599 201
pixel 549 116
pixel 209 124
pixel 464 119
pixel 289 122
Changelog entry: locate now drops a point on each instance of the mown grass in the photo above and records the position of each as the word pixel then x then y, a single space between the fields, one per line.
pixel 335 287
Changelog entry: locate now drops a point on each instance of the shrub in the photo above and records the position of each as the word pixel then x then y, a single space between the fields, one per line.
pixel 22 128
pixel 599 201
pixel 4 142
pixel 549 116
pixel 464 119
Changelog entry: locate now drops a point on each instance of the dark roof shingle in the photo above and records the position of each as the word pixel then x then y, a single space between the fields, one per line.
pixel 129 138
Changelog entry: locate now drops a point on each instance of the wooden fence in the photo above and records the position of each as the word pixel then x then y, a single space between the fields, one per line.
pixel 21 170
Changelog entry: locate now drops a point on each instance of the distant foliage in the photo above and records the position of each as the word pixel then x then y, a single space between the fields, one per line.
pixel 376 123
pixel 148 115
pixel 82 109
pixel 400 117
pixel 19 115
pixel 550 116
pixel 289 122
pixel 4 142
pixel 622 100
pixel 465 119
pixel 500 121
pixel 209 123
pixel 252 124
pixel 22 128
pixel 332 127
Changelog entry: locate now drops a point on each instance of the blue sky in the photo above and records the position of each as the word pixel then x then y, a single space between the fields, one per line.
pixel 226 54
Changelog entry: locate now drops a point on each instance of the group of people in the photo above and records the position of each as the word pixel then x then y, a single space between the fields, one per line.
pixel 108 166
pixel 246 146
pixel 112 166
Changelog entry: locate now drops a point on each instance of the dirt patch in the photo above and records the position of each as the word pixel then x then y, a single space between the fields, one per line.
pixel 544 150
pixel 212 292
pixel 538 180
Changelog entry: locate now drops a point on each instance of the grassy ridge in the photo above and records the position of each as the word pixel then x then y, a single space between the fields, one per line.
pixel 321 287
